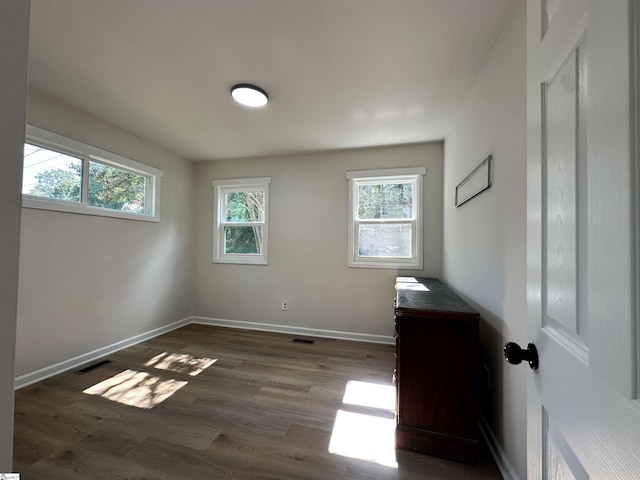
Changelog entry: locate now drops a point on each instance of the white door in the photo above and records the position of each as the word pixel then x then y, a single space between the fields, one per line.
pixel 583 247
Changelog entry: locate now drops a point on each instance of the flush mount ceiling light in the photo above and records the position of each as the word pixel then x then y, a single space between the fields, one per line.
pixel 249 95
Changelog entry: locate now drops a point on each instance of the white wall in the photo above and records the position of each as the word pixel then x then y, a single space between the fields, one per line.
pixel 14 37
pixel 87 282
pixel 485 239
pixel 308 243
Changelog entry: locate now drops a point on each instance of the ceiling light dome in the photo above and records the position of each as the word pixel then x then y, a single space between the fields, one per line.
pixel 249 95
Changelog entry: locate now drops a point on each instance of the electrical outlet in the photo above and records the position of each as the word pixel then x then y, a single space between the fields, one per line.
pixel 285 306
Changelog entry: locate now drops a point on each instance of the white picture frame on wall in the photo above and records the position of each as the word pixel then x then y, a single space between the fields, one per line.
pixel 475 183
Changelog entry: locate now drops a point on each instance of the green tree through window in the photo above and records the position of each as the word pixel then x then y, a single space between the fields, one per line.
pixel 391 200
pixel 58 184
pixel 244 207
pixel 116 189
pixel 109 187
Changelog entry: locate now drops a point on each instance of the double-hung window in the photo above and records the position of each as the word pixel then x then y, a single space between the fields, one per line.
pixel 69 176
pixel 385 218
pixel 241 212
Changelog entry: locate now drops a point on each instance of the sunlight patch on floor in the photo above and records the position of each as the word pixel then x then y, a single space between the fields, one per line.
pixel 180 362
pixel 365 437
pixel 373 395
pixel 368 433
pixel 136 389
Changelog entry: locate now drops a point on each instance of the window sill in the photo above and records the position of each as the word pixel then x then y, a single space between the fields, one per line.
pixel 38 203
pixel 394 265
pixel 241 261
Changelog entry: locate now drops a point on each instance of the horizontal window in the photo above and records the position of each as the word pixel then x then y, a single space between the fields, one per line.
pixel 69 176
pixel 385 218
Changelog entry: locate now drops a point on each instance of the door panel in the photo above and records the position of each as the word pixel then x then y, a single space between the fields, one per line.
pixel 559 161
pixel 582 275
pixel 563 163
pixel 549 8
pixel 559 460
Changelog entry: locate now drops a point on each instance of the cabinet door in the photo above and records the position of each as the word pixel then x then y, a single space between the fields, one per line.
pixel 437 375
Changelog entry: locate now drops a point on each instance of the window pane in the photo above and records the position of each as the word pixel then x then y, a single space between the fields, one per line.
pixel 244 207
pixel 116 189
pixel 51 174
pixel 387 200
pixel 385 240
pixel 243 240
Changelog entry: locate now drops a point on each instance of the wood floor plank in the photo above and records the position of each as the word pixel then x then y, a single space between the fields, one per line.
pixel 75 462
pixel 267 408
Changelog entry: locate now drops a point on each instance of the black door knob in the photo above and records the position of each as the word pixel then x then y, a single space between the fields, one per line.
pixel 514 354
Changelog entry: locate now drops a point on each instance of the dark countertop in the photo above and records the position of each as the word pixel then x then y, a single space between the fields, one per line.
pixel 426 296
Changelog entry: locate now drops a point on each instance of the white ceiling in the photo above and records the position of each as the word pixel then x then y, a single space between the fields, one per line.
pixel 339 73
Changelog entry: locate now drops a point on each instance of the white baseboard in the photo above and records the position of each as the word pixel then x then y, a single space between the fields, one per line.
pixel 507 471
pixel 44 373
pixel 308 332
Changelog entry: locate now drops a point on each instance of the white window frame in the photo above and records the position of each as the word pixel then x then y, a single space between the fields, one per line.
pixel 374 177
pixel 87 153
pixel 220 189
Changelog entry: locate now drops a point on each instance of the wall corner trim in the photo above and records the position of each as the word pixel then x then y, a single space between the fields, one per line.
pixel 499 455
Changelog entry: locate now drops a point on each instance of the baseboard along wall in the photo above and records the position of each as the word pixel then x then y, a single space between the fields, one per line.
pixel 309 332
pixel 498 454
pixel 75 362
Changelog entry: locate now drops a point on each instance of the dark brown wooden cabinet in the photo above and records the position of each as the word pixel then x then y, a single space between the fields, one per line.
pixel 436 370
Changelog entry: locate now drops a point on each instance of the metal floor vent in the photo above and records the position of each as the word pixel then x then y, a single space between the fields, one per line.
pixel 93 366
pixel 303 340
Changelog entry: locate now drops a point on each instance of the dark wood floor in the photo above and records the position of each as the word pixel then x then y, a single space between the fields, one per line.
pixel 266 408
